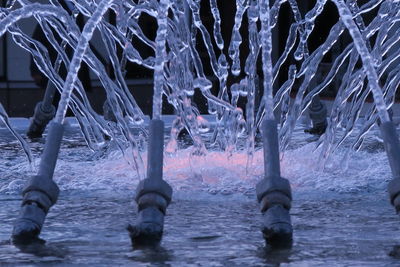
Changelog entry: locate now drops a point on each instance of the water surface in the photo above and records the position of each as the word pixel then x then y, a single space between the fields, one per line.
pixel 341 216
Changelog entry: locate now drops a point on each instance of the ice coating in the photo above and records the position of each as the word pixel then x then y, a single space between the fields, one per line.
pixel 179 68
pixel 160 58
pixel 81 47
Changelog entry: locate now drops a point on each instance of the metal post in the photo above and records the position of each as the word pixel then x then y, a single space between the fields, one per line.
pixel 153 194
pixel 274 193
pixel 41 192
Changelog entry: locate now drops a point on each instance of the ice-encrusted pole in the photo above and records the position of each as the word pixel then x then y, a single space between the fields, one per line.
pixel 44 110
pixel 251 72
pixel 160 58
pixel 153 194
pixel 273 192
pixel 41 191
pixel 368 65
pixel 217 24
pixel 236 40
pixel 387 128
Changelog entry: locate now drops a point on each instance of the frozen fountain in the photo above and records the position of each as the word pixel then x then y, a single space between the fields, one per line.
pixel 179 70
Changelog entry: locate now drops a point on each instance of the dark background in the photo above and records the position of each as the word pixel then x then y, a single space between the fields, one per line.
pixel 20 96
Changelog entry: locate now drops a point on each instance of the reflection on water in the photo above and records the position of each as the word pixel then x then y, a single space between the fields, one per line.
pixel 341 217
pixel 355 229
